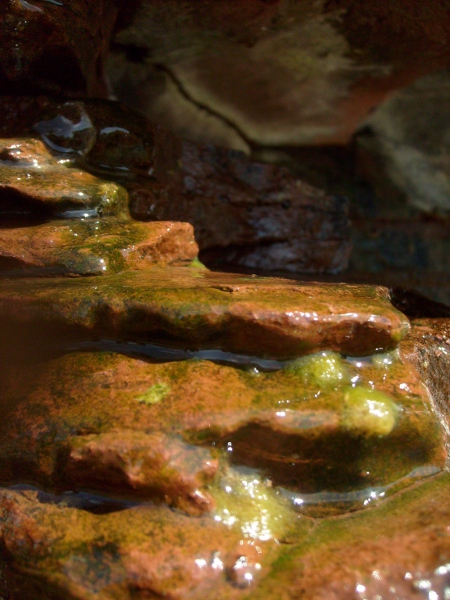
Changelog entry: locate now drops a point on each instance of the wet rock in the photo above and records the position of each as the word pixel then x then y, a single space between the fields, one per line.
pixel 252 215
pixel 94 246
pixel 404 149
pixel 398 550
pixel 272 74
pixel 75 545
pixel 34 185
pixel 103 136
pixel 115 425
pixel 428 349
pixel 55 46
pixel 244 212
pixel 140 552
pixel 146 465
pixel 272 318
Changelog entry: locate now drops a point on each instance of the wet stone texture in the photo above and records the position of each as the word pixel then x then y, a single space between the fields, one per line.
pixel 132 437
pixel 244 212
pixel 35 184
pixel 271 318
pixel 314 426
pixel 171 432
pixel 188 431
pixel 94 247
pixel 428 348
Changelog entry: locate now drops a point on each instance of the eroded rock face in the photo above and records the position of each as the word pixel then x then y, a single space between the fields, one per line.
pixel 251 214
pixel 398 551
pixel 428 348
pixel 247 456
pixel 152 551
pixel 35 184
pixel 170 432
pixel 94 247
pixel 55 46
pixel 273 74
pixel 404 146
pixel 315 428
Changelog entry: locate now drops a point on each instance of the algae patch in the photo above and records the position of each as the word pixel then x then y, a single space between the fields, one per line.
pixel 154 394
pixel 369 412
pixel 325 369
pixel 246 500
pixel 197 264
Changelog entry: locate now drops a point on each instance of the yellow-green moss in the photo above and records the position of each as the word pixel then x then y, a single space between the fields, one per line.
pixel 249 502
pixel 368 412
pixel 326 369
pixel 197 264
pixel 154 394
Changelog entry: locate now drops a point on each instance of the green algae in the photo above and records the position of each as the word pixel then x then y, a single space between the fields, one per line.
pixel 98 245
pixel 369 412
pixel 385 360
pixel 156 393
pixel 247 501
pixel 335 543
pixel 197 264
pixel 325 369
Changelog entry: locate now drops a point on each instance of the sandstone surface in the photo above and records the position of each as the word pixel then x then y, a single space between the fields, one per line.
pixel 170 432
pixel 94 247
pixel 195 308
pixel 36 184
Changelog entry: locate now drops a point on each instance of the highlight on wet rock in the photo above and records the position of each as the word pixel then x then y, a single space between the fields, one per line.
pixel 168 430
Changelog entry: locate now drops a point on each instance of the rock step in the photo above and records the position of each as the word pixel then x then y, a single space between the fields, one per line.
pixel 36 184
pixel 94 247
pixel 54 547
pixel 129 428
pixel 150 551
pixel 194 308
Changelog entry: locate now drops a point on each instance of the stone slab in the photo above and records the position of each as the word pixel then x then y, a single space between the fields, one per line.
pixel 428 349
pixel 326 432
pixel 53 550
pixel 36 184
pixel 94 247
pixel 194 308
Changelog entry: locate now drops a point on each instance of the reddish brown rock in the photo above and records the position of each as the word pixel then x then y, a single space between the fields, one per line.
pixel 134 553
pixel 428 349
pixel 143 465
pixel 272 74
pixel 94 246
pixel 116 423
pixel 250 214
pixel 401 550
pixel 34 185
pixel 196 308
pixel 55 46
pixel 53 551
